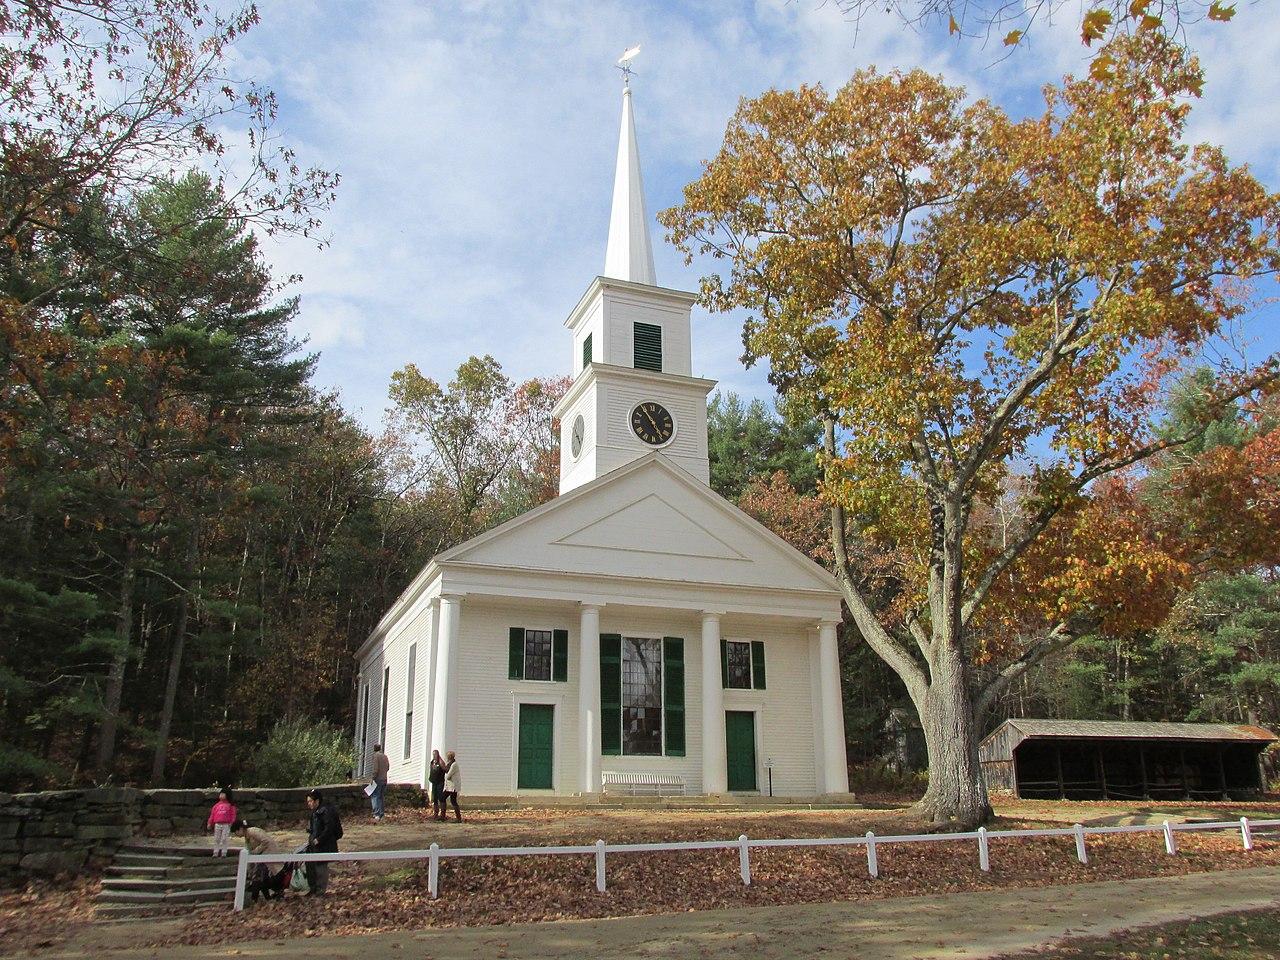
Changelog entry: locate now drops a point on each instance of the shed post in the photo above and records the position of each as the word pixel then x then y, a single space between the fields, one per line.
pixel 1102 771
pixel 1142 762
pixel 1222 771
pixel 1057 756
pixel 1182 769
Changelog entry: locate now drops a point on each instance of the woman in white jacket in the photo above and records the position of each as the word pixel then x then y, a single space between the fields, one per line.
pixel 452 784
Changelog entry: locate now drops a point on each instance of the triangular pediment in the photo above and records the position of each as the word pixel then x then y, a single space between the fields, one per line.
pixel 647 520
pixel 651 525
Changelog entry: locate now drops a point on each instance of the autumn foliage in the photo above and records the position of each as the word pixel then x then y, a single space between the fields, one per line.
pixel 986 312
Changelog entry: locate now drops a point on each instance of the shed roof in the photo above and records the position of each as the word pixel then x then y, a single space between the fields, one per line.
pixel 1133 730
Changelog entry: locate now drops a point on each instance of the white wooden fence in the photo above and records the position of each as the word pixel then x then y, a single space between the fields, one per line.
pixel 434 854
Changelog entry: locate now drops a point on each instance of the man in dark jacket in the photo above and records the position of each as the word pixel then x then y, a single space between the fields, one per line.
pixel 323 834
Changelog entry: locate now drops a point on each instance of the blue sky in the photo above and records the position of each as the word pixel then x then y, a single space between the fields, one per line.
pixel 476 144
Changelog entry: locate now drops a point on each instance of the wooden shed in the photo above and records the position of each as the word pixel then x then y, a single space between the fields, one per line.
pixel 1125 760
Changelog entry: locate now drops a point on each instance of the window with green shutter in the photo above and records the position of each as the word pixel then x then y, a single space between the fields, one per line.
pixel 611 694
pixel 673 695
pixel 515 653
pixel 757 664
pixel 647 347
pixel 538 654
pixel 586 352
pixel 560 656
pixel 742 664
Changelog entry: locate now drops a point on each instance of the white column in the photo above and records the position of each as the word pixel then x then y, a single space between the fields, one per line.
pixel 715 774
pixel 835 776
pixel 444 719
pixel 589 696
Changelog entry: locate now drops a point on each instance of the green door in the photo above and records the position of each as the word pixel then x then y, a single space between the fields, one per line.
pixel 533 770
pixel 740 749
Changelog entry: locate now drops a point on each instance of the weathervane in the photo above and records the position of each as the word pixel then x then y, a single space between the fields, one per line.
pixel 624 63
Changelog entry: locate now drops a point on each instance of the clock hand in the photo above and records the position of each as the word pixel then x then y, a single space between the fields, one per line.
pixel 649 417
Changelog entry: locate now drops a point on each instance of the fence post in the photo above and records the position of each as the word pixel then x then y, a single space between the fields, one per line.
pixel 1169 845
pixel 744 860
pixel 433 872
pixel 1246 834
pixel 984 855
pixel 242 877
pixel 873 866
pixel 1081 855
pixel 600 865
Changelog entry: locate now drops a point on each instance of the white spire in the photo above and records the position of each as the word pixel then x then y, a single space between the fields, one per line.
pixel 629 255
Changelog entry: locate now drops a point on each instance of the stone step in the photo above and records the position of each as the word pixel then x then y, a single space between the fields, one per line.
pixel 146 860
pixel 173 850
pixel 215 868
pixel 168 897
pixel 164 884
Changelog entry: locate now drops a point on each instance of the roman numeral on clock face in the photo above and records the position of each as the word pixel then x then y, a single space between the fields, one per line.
pixel 652 423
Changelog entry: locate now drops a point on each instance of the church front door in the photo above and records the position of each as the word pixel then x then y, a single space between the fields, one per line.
pixel 533 769
pixel 740 749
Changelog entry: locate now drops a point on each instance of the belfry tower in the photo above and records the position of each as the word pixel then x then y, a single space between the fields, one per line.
pixel 633 390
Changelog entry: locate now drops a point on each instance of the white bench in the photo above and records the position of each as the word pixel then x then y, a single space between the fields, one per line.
pixel 643 784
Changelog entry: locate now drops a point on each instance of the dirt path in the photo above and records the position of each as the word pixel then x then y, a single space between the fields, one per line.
pixel 957 927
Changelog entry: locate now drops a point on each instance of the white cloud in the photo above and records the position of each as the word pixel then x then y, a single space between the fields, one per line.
pixel 475 141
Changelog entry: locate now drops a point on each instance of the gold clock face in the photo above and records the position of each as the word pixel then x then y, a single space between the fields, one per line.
pixel 651 422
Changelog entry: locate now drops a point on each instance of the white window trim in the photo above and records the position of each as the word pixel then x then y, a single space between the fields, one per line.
pixel 751 667
pixel 662 728
pixel 557 745
pixel 525 659
pixel 410 693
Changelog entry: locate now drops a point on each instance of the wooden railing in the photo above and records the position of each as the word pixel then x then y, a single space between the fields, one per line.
pixel 600 850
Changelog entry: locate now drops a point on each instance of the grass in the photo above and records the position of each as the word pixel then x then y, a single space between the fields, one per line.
pixel 1230 936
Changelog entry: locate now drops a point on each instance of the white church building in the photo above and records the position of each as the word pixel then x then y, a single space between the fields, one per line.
pixel 637 628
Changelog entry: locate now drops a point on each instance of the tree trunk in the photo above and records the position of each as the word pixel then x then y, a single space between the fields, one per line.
pixel 115 677
pixel 175 658
pixel 957 794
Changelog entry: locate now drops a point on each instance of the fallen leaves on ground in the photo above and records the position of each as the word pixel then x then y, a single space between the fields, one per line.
pixel 490 890
pixel 43 914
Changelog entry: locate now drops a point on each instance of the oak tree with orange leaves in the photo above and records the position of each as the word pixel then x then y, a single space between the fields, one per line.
pixel 963 295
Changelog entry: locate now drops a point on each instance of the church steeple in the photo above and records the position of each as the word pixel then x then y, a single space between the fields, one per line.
pixel 633 391
pixel 629 255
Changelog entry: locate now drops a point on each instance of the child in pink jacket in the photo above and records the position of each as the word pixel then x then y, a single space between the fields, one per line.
pixel 221 817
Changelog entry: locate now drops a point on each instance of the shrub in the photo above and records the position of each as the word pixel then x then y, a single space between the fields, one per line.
pixel 878 777
pixel 302 753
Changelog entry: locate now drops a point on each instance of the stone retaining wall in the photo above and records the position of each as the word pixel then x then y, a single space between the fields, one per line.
pixel 69 830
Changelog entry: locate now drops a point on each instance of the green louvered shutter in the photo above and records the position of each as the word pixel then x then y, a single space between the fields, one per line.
pixel 611 694
pixel 757 664
pixel 515 654
pixel 673 699
pixel 647 347
pixel 560 655
pixel 724 664
pixel 586 352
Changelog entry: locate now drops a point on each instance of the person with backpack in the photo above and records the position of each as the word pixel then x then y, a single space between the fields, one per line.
pixel 323 833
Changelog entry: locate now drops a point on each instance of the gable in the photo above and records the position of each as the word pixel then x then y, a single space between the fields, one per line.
pixel 648 520
pixel 651 525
